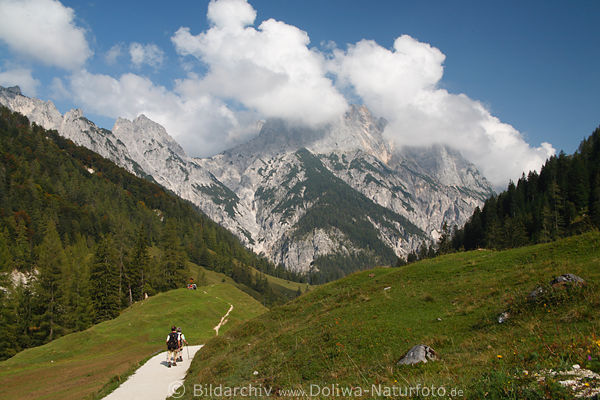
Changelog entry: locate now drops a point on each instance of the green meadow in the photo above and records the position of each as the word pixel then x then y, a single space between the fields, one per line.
pixel 352 332
pixel 85 364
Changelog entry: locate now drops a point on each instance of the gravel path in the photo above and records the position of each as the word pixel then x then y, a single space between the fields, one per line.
pixel 154 380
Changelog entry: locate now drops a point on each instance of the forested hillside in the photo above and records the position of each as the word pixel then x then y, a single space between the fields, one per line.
pixel 562 200
pixel 76 233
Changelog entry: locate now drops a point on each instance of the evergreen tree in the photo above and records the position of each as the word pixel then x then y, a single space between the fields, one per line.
pixel 8 328
pixel 173 259
pixel 104 280
pixel 22 248
pixel 138 268
pixel 51 259
pixel 5 256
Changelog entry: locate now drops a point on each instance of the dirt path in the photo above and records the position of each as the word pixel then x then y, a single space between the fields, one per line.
pixel 223 321
pixel 154 380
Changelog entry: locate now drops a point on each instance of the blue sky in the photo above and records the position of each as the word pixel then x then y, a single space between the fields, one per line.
pixel 531 65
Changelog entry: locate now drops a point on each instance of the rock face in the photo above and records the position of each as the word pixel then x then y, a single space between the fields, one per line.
pixel 419 353
pixel 339 195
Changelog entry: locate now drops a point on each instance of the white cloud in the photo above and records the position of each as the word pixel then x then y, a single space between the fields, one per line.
pixel 202 124
pixel 270 69
pixel 44 30
pixel 113 54
pixel 20 77
pixel 402 86
pixel 149 54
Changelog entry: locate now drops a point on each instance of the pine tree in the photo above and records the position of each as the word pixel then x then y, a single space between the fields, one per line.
pixel 137 269
pixel 51 260
pixel 8 328
pixel 5 256
pixel 79 313
pixel 104 281
pixel 22 248
pixel 173 259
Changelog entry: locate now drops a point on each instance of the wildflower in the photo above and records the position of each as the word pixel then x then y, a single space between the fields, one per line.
pixel 499 356
pixel 589 358
pixel 598 342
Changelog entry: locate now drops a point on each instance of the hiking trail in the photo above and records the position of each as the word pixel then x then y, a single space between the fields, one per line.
pixel 223 321
pixel 154 380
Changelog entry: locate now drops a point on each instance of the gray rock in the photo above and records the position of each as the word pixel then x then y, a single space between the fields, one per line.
pixel 535 293
pixel 14 90
pixel 559 281
pixel 502 318
pixel 567 279
pixel 419 353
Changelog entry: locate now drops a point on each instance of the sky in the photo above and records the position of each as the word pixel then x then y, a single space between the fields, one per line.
pixel 507 83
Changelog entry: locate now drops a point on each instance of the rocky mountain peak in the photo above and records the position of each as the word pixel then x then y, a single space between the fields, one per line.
pixel 290 192
pixel 14 90
pixel 145 135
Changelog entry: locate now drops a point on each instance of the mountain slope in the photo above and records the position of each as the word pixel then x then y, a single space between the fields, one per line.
pixel 562 200
pixel 351 333
pixel 244 189
pixel 78 365
pixel 75 238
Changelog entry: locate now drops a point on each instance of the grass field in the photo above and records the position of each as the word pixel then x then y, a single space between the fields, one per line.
pixel 79 365
pixel 353 331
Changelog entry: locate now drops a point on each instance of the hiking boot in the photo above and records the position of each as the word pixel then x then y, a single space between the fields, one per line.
pixel 174 364
pixel 169 364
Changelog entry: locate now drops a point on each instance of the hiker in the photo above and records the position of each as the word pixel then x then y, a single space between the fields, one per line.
pixel 181 340
pixel 172 346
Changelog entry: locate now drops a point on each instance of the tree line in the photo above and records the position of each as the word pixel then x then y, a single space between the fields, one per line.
pixel 563 199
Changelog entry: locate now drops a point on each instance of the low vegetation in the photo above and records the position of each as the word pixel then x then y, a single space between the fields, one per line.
pixel 353 331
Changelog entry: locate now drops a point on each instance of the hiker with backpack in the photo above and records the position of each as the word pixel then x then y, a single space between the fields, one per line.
pixel 172 346
pixel 181 341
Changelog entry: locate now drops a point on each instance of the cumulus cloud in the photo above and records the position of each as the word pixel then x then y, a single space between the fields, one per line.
pixel 20 77
pixel 44 30
pixel 149 54
pixel 250 73
pixel 269 69
pixel 202 124
pixel 402 85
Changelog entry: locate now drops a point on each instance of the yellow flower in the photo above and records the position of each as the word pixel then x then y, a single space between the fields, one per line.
pixel 598 342
pixel 499 356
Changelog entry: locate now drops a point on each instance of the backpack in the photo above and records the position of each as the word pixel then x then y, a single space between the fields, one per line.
pixel 173 342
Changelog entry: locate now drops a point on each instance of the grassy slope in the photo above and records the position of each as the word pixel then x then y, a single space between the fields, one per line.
pixel 78 365
pixel 283 286
pixel 353 331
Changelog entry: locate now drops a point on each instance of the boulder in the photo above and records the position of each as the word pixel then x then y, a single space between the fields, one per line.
pixel 559 281
pixel 419 353
pixel 567 279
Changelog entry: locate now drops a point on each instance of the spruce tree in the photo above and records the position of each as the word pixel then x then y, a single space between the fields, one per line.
pixel 51 260
pixel 104 281
pixel 173 258
pixel 137 270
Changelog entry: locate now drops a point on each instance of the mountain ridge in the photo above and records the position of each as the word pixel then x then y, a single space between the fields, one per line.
pixel 246 188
